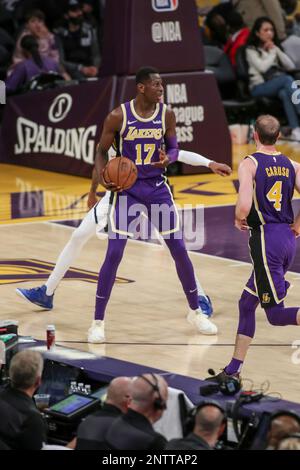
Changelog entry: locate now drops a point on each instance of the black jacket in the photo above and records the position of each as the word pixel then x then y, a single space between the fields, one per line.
pixel 133 431
pixel 190 442
pixel 91 432
pixel 21 424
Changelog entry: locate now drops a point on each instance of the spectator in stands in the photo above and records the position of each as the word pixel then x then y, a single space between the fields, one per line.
pixel 268 65
pixel 88 12
pixel 33 65
pixel 276 10
pixel 239 34
pixel 35 26
pixel 21 424
pixel 78 43
pixel 92 15
pixel 290 443
pixel 282 425
pixel 253 9
pixel 214 32
pixel 223 8
pixel 134 430
pixel 209 426
pixel 91 432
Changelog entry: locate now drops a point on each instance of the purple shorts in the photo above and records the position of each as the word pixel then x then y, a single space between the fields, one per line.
pixel 151 198
pixel 272 249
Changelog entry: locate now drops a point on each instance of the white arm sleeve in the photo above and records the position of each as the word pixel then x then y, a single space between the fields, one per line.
pixel 191 158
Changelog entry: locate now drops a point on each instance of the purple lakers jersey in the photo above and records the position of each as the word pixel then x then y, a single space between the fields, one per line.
pixel 140 139
pixel 274 185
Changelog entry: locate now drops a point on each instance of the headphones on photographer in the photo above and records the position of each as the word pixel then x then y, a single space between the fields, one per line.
pixel 158 403
pixel 191 417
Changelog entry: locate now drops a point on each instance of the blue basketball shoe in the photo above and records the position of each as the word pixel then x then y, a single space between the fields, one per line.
pixel 37 296
pixel 205 304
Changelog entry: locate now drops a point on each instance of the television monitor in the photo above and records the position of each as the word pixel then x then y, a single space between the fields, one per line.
pixel 73 407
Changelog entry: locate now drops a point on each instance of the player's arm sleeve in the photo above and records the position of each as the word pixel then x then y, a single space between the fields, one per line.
pixel 192 158
pixel 246 175
pixel 170 137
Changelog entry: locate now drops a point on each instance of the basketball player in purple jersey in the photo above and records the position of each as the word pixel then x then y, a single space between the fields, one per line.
pixel 140 127
pixel 96 220
pixel 267 181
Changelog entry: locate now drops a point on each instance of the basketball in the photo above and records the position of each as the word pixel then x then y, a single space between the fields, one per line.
pixel 120 171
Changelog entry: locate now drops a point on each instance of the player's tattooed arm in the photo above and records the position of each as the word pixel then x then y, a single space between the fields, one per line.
pixel 170 154
pixel 246 174
pixel 111 126
pixel 296 225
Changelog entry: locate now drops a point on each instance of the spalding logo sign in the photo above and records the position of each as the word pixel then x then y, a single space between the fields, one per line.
pixel 165 5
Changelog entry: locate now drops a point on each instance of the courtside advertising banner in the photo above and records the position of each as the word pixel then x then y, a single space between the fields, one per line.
pixel 57 130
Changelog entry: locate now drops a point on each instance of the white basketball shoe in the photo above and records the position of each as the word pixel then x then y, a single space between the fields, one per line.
pixel 201 322
pixel 96 332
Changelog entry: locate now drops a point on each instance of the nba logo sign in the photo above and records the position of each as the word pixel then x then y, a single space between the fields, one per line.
pixel 165 5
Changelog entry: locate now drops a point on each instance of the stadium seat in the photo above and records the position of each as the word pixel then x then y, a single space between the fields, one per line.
pixel 264 104
pixel 236 103
pixel 217 62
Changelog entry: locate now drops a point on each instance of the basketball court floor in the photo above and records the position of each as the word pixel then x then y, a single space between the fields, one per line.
pixel 146 317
